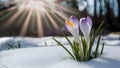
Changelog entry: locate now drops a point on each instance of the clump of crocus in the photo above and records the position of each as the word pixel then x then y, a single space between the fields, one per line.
pixel 82 46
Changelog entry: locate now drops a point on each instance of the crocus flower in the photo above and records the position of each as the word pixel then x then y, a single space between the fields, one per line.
pixel 72 26
pixel 85 27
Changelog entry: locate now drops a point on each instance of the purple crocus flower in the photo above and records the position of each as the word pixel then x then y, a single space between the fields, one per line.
pixel 72 26
pixel 85 27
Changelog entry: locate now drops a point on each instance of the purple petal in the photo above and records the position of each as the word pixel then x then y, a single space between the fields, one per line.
pixel 83 21
pixel 89 21
pixel 84 26
pixel 68 28
pixel 74 31
pixel 74 19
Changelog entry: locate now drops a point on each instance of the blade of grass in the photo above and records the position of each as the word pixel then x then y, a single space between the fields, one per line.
pixel 99 29
pixel 93 39
pixel 10 46
pixel 80 48
pixel 98 43
pixel 19 44
pixel 84 46
pixel 76 51
pixel 68 40
pixel 102 47
pixel 65 48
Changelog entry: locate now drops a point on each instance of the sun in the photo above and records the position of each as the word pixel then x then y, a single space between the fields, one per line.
pixel 32 4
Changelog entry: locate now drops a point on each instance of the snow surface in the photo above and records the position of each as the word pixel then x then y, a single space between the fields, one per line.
pixel 30 42
pixel 39 56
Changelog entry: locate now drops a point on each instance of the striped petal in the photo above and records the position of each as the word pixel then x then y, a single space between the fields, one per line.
pixel 85 27
pixel 73 27
pixel 74 20
pixel 89 21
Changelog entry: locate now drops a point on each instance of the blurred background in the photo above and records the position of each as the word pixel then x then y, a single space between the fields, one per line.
pixel 39 18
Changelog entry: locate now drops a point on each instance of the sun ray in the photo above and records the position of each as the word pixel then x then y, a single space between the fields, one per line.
pixel 46 20
pixel 7 15
pixel 64 8
pixel 26 23
pixel 53 9
pixel 39 24
pixel 7 10
pixel 38 11
pixel 22 18
pixel 32 26
pixel 13 18
pixel 52 20
pixel 58 18
pixel 60 14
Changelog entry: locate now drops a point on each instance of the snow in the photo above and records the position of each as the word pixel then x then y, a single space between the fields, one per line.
pixel 30 42
pixel 34 54
pixel 112 39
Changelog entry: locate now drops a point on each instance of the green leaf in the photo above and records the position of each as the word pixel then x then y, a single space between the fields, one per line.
pixel 65 48
pixel 98 43
pixel 99 28
pixel 93 39
pixel 76 51
pixel 73 46
pixel 19 44
pixel 68 40
pixel 84 46
pixel 10 46
pixel 85 49
pixel 102 47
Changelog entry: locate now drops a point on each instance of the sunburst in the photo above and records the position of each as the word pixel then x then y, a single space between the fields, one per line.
pixel 54 12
